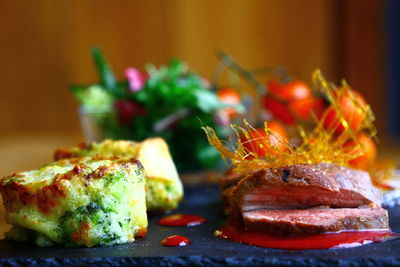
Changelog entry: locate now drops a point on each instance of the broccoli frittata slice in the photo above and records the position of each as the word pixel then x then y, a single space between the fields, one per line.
pixel 164 189
pixel 83 201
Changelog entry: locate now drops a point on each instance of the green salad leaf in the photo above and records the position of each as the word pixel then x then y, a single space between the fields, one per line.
pixel 173 103
pixel 94 98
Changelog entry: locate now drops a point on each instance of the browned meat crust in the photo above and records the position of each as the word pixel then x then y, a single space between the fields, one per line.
pixel 303 187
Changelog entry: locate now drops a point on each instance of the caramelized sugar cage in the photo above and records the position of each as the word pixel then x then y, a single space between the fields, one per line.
pixel 320 144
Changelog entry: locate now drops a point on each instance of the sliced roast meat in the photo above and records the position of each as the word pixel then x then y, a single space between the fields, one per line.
pixel 303 187
pixel 226 185
pixel 315 221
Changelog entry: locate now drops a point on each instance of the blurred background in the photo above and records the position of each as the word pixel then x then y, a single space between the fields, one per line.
pixel 45 48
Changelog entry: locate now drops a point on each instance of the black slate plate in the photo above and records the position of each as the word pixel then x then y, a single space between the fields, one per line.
pixel 205 250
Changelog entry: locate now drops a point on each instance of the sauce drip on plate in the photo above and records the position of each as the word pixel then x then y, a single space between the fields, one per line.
pixel 175 241
pixel 181 220
pixel 346 239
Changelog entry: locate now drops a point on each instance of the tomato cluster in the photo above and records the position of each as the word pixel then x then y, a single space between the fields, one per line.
pixel 294 102
pixel 291 101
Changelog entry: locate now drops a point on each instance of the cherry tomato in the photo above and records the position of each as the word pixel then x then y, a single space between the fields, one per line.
pixel 306 107
pixel 279 110
pixel 231 97
pixel 352 106
pixel 291 100
pixel 291 91
pixel 276 139
pixel 367 150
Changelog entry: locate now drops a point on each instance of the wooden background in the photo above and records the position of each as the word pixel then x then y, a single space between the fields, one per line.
pixel 45 46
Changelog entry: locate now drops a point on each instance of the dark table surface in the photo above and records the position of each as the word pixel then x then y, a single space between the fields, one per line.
pixel 205 250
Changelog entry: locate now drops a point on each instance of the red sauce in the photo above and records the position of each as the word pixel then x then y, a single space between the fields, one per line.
pixel 181 220
pixel 175 241
pixel 346 239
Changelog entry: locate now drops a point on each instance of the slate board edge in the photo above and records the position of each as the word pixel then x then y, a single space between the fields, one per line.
pixel 199 261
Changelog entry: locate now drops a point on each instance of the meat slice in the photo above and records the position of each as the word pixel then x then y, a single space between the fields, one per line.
pixel 226 185
pixel 315 221
pixel 303 187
